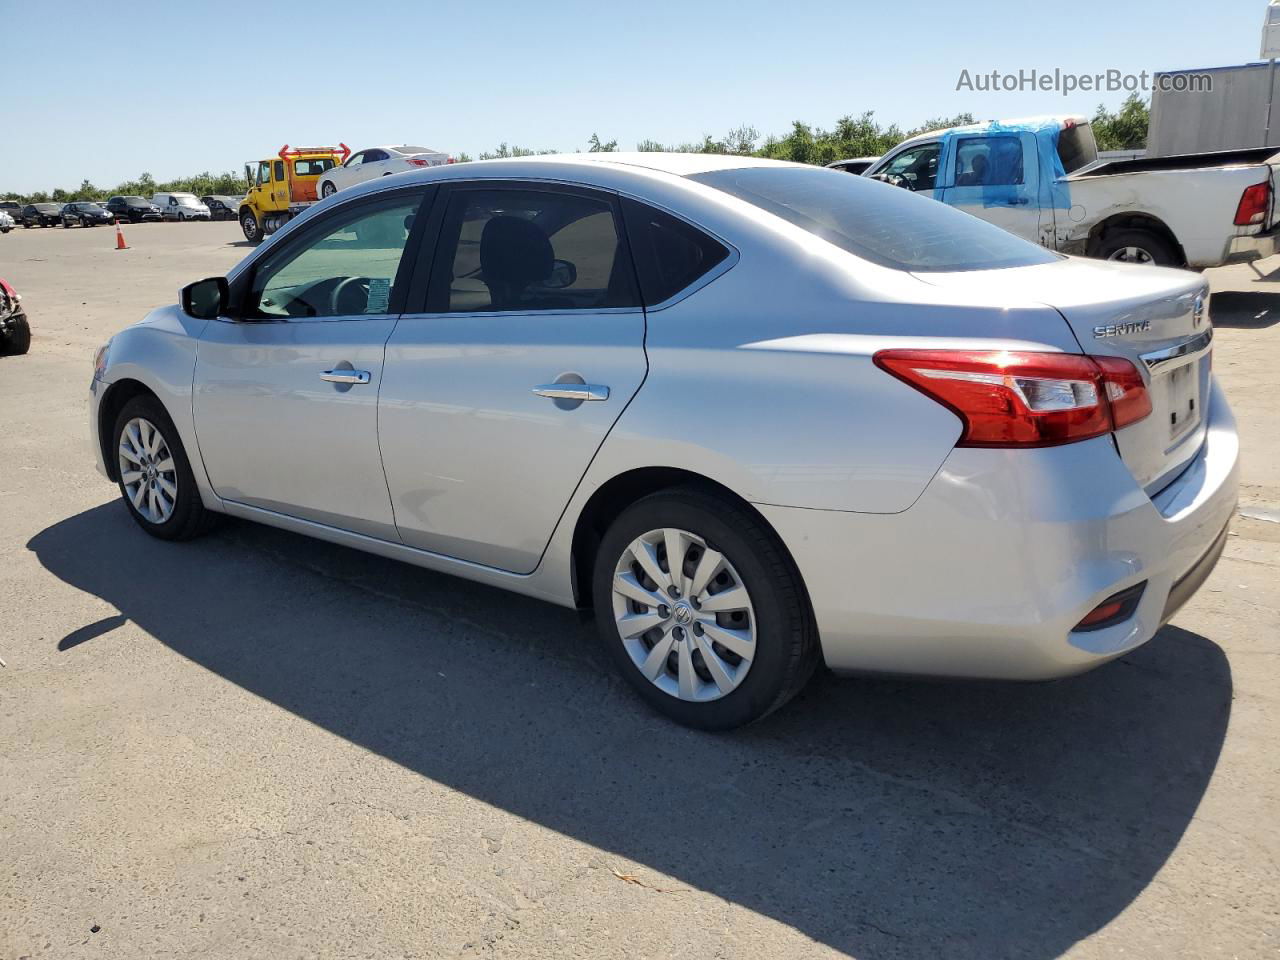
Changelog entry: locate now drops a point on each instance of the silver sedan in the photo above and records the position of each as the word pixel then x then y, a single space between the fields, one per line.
pixel 759 416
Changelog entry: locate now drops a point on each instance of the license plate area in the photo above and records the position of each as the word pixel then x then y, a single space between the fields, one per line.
pixel 1182 399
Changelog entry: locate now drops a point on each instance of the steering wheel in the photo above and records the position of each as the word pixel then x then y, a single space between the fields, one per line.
pixel 347 284
pixel 895 180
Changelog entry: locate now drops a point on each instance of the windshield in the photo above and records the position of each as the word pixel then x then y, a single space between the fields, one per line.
pixel 47 207
pixel 186 199
pixel 890 226
pixel 136 200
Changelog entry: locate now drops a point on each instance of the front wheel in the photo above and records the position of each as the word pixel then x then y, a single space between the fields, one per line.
pixel 154 474
pixel 249 224
pixel 327 189
pixel 702 609
pixel 17 340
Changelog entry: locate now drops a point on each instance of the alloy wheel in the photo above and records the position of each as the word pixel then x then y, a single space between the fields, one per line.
pixel 1132 255
pixel 684 615
pixel 147 470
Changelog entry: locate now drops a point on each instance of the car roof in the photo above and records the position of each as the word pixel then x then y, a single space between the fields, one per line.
pixel 1043 120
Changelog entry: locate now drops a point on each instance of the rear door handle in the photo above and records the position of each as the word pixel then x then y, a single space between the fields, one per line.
pixel 346 376
pixel 572 391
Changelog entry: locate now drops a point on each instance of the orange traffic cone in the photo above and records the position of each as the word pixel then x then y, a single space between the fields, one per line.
pixel 120 244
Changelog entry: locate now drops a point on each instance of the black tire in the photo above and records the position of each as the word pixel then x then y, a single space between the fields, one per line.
pixel 250 226
pixel 786 636
pixel 327 189
pixel 189 518
pixel 18 340
pixel 84 222
pixel 1160 250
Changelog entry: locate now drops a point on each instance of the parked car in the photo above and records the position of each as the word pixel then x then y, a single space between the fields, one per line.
pixel 42 214
pixel 15 330
pixel 6 221
pixel 378 162
pixel 180 206
pixel 806 418
pixel 86 214
pixel 13 209
pixel 854 165
pixel 1041 179
pixel 132 209
pixel 222 208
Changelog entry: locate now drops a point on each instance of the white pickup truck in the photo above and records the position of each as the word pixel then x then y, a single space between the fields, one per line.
pixel 1041 179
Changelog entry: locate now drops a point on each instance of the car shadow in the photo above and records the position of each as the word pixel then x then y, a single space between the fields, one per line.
pixel 880 817
pixel 1246 309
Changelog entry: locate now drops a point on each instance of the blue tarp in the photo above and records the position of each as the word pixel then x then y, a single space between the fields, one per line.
pixel 998 165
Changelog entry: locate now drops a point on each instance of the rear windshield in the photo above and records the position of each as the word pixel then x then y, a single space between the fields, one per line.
pixel 1076 147
pixel 887 225
pixel 312 168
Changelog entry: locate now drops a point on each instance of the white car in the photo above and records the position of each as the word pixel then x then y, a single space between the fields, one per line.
pixel 6 222
pixel 379 162
pixel 180 206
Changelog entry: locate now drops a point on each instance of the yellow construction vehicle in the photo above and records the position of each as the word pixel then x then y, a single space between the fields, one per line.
pixel 283 186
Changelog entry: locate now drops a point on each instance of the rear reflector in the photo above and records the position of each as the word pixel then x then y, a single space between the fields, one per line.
pixel 1115 609
pixel 1025 399
pixel 1253 205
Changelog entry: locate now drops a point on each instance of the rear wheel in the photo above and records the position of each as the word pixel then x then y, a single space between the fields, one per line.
pixel 702 610
pixel 249 224
pixel 155 477
pixel 1137 246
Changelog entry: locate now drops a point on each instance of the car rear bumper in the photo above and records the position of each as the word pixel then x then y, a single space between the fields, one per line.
pixel 987 574
pixel 1257 247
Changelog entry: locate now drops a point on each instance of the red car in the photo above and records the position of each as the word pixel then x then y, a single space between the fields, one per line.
pixel 15 331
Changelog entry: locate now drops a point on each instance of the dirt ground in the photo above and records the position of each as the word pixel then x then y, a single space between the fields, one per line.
pixel 257 745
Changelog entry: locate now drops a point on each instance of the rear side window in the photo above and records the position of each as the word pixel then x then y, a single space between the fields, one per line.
pixel 670 254
pixel 529 250
pixel 989 162
pixel 887 225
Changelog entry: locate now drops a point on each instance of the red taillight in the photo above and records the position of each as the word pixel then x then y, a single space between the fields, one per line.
pixel 1253 205
pixel 417 161
pixel 1026 399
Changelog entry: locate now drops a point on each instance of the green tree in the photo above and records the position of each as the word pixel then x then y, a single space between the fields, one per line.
pixel 1126 129
pixel 594 145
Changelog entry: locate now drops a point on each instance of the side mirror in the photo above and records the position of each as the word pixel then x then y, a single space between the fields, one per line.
pixel 563 274
pixel 206 299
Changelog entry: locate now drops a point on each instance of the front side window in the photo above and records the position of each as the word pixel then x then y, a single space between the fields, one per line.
pixel 346 269
pixel 917 166
pixel 279 170
pixel 526 250
pixel 989 162
pixel 264 172
pixel 885 225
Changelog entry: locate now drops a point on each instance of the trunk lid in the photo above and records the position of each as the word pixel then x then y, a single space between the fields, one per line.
pixel 1157 318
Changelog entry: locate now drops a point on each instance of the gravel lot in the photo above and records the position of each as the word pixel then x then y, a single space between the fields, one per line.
pixel 257 745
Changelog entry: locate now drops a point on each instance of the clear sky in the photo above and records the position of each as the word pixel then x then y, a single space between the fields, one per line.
pixel 108 90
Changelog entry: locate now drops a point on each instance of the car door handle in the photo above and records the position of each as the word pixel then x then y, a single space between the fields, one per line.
pixel 572 391
pixel 346 376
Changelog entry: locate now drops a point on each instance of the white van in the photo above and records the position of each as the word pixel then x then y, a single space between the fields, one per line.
pixel 180 206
